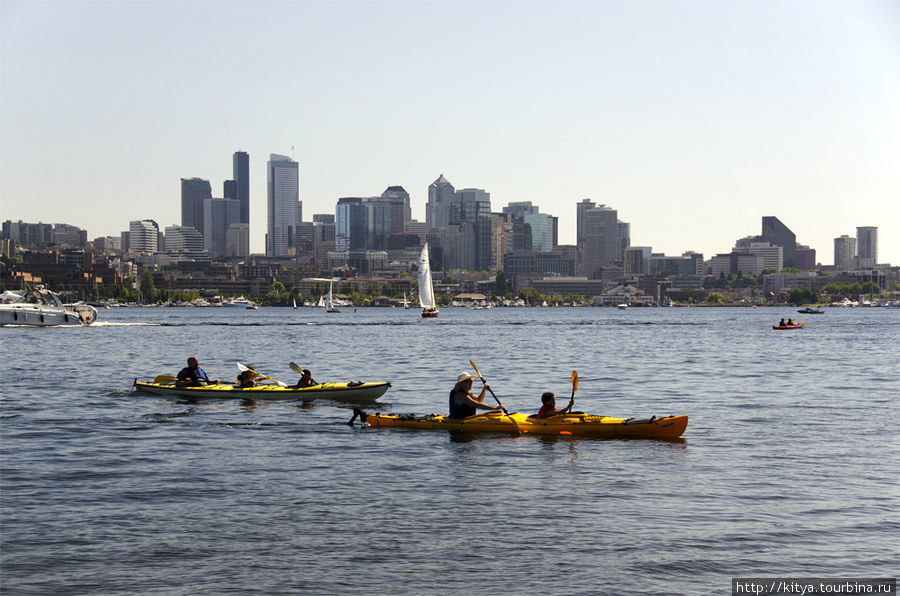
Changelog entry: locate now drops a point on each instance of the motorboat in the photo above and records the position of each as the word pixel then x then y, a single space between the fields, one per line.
pixel 40 307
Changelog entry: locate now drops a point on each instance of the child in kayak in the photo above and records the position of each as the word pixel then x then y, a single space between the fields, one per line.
pixel 247 378
pixel 549 406
pixel 305 380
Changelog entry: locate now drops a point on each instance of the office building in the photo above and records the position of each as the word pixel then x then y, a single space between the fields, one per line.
pixel 867 246
pixel 598 238
pixel 193 192
pixel 544 231
pixel 467 243
pixel 283 205
pixel 237 240
pixel 778 234
pixel 143 236
pixel 636 260
pixel 184 240
pixel 437 209
pixel 218 215
pixel 845 253
pixel 240 164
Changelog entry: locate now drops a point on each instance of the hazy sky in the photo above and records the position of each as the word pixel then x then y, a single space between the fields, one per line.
pixel 692 118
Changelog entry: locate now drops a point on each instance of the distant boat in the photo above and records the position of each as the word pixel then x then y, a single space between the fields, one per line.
pixel 405 301
pixel 622 306
pixel 329 301
pixel 295 302
pixel 811 311
pixel 426 287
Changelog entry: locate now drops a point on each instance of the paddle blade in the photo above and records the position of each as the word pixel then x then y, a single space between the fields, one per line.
pixel 476 370
pixel 574 381
pixel 164 379
pixel 296 368
pixel 243 367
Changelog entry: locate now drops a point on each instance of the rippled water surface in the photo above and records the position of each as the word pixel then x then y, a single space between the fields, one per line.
pixel 788 467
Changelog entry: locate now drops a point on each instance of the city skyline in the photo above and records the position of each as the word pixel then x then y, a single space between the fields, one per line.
pixel 692 121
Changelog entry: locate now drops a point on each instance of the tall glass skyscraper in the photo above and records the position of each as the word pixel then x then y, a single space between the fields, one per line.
pixel 241 173
pixel 193 192
pixel 283 205
pixel 437 210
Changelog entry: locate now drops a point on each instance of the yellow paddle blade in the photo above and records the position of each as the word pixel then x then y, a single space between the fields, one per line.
pixel 164 379
pixel 476 370
pixel 574 381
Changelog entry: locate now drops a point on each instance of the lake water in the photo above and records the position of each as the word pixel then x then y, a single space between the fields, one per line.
pixel 789 466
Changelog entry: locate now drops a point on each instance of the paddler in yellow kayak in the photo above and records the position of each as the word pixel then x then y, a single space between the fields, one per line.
pixel 465 403
pixel 193 376
pixel 549 406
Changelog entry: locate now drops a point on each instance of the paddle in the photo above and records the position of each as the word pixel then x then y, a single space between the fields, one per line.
pixel 164 379
pixel 574 389
pixel 513 420
pixel 296 368
pixel 244 367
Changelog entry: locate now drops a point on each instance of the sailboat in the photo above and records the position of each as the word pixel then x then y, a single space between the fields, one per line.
pixel 329 302
pixel 426 287
pixel 295 303
pixel 405 301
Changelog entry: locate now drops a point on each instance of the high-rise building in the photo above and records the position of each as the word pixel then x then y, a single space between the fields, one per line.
pixel 237 240
pixel 845 253
pixel 241 173
pixel 544 231
pixel 350 224
pixel 143 236
pixel 623 238
pixel 867 246
pixel 778 234
pixel 183 240
pixel 437 210
pixel 193 192
pixel 636 260
pixel 283 205
pixel 218 215
pixel 398 193
pixel 470 211
pixel 598 238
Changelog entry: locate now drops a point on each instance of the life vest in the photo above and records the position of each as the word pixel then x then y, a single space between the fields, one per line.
pixel 460 410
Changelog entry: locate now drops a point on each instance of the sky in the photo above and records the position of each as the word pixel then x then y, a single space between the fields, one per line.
pixel 692 118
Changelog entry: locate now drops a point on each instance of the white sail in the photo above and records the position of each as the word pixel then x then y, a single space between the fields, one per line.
pixel 329 302
pixel 405 301
pixel 426 288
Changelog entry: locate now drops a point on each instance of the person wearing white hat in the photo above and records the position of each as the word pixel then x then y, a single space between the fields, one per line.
pixel 465 403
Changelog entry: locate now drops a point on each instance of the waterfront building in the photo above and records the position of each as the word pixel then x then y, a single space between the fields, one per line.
pixel 845 253
pixel 772 255
pixel 689 264
pixel 437 209
pixel 193 192
pixel 283 206
pixel 867 246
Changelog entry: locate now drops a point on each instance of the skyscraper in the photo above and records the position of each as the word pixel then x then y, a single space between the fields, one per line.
pixel 283 205
pixel 437 210
pixel 240 162
pixel 867 246
pixel 218 215
pixel 470 208
pixel 778 234
pixel 599 239
pixel 845 253
pixel 193 192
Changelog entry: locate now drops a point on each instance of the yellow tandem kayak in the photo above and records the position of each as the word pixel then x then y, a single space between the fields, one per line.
pixel 341 392
pixel 579 424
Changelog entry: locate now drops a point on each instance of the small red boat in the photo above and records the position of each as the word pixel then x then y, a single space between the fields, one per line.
pixel 795 326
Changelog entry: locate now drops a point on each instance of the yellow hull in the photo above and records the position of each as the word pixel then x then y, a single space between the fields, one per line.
pixel 668 427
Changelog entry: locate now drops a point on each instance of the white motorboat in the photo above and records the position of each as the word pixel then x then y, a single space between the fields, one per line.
pixel 42 308
pixel 240 301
